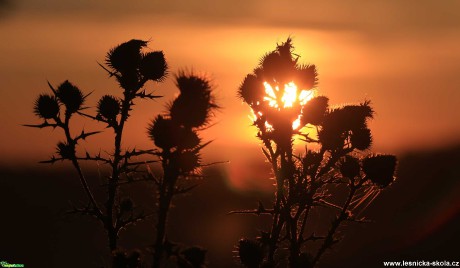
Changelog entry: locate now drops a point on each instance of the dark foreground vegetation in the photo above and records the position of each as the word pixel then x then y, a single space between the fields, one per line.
pixel 417 218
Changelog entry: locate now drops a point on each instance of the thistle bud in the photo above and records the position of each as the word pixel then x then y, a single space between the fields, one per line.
pixel 46 106
pixel 250 253
pixel 279 66
pixel 190 112
pixel 153 66
pixel 252 90
pixel 65 150
pixel 361 138
pixel 314 110
pixel 193 107
pixel 125 58
pixel 349 167
pixel 331 139
pixel 380 169
pixel 163 132
pixel 108 107
pixel 188 139
pixel 306 76
pixel 71 96
pixel 186 161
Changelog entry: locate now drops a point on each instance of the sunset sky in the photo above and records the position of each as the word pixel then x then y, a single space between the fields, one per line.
pixel 404 56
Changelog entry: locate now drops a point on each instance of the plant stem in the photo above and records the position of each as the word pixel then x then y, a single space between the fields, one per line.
pixel 166 193
pixel 76 165
pixel 328 242
pixel 111 222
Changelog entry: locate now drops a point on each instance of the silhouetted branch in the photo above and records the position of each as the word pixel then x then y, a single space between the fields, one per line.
pixel 109 72
pixel 83 135
pixel 52 160
pixel 260 210
pixel 43 125
pixel 144 95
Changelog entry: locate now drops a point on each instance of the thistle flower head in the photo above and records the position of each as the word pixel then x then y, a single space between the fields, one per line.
pixel 252 90
pixel 65 150
pixel 361 138
pixel 331 138
pixel 314 110
pixel 186 161
pixel 46 106
pixel 125 58
pixel 188 138
pixel 71 96
pixel 153 66
pixel 349 167
pixel 195 104
pixel 380 169
pixel 349 117
pixel 279 65
pixel 108 107
pixel 163 132
pixel 278 90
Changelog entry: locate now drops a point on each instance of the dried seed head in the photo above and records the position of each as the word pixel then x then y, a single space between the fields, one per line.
pixel 153 66
pixel 108 107
pixel 195 105
pixel 65 150
pixel 306 76
pixel 279 65
pixel 349 167
pixel 349 117
pixel 186 161
pixel 46 106
pixel 250 253
pixel 361 138
pixel 331 139
pixel 126 57
pixel 314 110
pixel 129 81
pixel 252 90
pixel 188 139
pixel 164 132
pixel 71 96
pixel 380 169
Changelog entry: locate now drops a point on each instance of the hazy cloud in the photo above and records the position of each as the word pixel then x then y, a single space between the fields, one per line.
pixel 381 16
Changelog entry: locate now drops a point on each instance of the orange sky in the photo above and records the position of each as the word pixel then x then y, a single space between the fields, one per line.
pixel 403 56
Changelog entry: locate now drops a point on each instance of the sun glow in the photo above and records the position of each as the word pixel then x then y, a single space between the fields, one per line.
pixel 289 95
pixel 287 98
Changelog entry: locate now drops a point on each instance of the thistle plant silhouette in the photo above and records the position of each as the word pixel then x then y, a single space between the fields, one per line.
pixel 337 161
pixel 174 133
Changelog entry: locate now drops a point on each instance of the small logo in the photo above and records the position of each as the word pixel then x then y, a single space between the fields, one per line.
pixel 6 264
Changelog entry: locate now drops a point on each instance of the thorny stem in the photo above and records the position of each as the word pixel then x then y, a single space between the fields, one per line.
pixel 76 164
pixel 281 211
pixel 111 222
pixel 166 193
pixel 329 240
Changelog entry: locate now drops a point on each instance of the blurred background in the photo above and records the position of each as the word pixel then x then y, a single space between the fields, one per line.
pixel 404 56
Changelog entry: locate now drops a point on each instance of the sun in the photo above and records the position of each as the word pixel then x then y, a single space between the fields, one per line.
pixel 287 97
